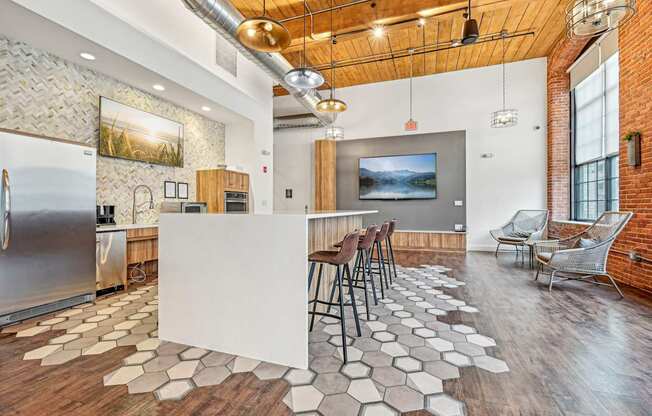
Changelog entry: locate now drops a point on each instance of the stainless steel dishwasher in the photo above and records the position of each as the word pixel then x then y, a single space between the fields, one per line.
pixel 110 259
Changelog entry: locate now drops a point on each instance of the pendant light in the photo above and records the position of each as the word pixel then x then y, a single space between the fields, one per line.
pixel 331 104
pixel 504 117
pixel 586 18
pixel 304 78
pixel 411 125
pixel 262 33
pixel 470 32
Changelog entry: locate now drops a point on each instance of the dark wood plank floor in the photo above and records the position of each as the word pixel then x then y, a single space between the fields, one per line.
pixel 579 351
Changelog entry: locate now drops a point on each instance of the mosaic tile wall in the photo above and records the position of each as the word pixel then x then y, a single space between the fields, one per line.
pixel 42 93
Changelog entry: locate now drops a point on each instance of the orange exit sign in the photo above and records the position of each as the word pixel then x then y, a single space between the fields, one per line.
pixel 410 125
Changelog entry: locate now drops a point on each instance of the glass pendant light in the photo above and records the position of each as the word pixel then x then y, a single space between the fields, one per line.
pixel 505 117
pixel 586 18
pixel 304 78
pixel 263 33
pixel 332 105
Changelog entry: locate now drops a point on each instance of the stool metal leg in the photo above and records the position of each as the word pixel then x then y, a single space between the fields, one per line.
pixel 347 270
pixel 381 263
pixel 371 272
pixel 342 320
pixel 332 296
pixel 310 274
pixel 391 252
pixel 314 305
pixel 364 285
pixel 371 278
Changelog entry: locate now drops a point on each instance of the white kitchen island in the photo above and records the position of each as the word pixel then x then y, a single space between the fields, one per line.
pixel 238 283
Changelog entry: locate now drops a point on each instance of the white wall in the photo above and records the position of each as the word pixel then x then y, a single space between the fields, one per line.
pixel 167 39
pixel 514 178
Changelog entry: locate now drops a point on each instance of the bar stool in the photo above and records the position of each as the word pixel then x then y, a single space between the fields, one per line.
pixel 362 263
pixel 379 260
pixel 390 250
pixel 340 259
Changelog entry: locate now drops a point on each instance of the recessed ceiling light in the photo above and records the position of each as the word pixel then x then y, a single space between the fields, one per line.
pixel 87 56
pixel 158 87
pixel 379 31
pixel 206 108
pixel 422 21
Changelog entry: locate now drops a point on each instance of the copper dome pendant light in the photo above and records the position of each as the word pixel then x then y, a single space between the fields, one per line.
pixel 586 18
pixel 332 105
pixel 470 32
pixel 505 117
pixel 262 33
pixel 304 78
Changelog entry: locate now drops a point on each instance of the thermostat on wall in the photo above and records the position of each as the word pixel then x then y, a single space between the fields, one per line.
pixel 459 227
pixel 459 203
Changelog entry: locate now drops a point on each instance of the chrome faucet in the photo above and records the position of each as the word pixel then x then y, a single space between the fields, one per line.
pixel 151 201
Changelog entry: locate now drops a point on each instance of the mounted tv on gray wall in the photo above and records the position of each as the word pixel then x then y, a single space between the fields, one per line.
pixel 398 177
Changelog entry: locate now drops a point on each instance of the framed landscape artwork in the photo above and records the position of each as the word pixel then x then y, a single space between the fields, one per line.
pixel 398 177
pixel 129 133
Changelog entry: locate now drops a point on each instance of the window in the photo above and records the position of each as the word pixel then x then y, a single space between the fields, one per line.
pixel 595 143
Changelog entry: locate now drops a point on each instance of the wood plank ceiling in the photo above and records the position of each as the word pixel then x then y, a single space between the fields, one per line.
pixel 428 27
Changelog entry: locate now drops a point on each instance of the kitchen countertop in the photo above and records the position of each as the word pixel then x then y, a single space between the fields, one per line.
pixel 123 227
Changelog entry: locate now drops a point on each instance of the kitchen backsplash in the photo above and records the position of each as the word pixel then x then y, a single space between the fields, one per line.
pixel 42 93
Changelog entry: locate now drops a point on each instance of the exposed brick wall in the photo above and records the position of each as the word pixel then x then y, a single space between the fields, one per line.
pixel 562 56
pixel 635 54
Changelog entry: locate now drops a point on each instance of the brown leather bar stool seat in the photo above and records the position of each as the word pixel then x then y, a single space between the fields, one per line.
pixel 362 261
pixel 340 259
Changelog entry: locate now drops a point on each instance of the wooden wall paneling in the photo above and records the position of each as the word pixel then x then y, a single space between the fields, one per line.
pixel 325 180
pixel 429 241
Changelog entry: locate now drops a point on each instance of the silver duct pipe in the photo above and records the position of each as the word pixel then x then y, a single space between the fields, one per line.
pixel 224 19
pixel 298 121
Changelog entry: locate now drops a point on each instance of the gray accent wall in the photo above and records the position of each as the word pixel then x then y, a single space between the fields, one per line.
pixel 429 214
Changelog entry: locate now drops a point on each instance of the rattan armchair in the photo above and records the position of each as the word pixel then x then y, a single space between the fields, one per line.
pixel 583 255
pixel 525 225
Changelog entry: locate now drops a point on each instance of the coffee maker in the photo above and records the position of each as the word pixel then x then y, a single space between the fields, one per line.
pixel 105 214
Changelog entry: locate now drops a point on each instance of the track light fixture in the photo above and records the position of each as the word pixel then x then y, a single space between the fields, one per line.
pixel 470 32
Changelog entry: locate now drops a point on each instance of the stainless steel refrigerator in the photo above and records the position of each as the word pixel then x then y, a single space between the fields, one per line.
pixel 47 225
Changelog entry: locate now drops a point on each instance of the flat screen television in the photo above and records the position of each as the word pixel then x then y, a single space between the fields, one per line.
pixel 398 177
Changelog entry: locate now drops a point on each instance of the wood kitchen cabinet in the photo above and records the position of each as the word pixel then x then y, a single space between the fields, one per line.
pixel 142 249
pixel 212 183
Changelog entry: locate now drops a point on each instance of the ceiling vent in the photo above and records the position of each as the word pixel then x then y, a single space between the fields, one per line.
pixel 226 55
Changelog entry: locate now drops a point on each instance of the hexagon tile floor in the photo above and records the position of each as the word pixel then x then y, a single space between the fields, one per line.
pixel 398 365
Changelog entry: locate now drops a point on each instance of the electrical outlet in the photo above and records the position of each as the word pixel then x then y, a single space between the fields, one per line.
pixel 459 203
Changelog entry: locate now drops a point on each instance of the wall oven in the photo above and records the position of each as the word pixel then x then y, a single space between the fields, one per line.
pixel 236 202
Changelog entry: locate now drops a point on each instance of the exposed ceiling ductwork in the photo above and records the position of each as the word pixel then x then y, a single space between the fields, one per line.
pixel 298 121
pixel 224 19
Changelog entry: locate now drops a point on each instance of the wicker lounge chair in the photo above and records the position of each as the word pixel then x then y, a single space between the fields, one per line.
pixel 583 255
